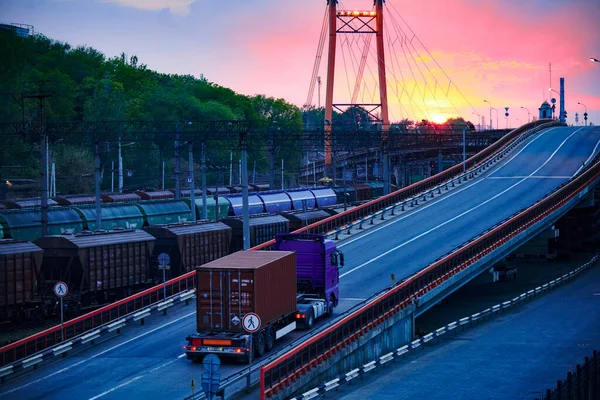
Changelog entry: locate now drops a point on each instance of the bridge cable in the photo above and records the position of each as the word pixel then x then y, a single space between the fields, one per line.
pixel 317 64
pixel 435 61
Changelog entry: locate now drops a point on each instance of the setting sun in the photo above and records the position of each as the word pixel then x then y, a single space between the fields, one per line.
pixel 438 118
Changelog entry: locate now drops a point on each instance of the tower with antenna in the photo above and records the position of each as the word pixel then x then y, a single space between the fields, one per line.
pixel 353 22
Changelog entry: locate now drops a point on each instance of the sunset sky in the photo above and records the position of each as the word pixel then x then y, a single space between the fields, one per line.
pixel 497 50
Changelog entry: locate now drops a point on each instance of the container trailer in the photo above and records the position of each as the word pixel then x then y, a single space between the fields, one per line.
pixel 289 288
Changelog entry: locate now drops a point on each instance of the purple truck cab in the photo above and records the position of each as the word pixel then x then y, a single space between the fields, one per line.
pixel 317 264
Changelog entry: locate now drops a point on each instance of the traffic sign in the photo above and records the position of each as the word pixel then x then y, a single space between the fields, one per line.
pixel 61 289
pixel 211 383
pixel 211 363
pixel 251 322
pixel 235 320
pixel 163 259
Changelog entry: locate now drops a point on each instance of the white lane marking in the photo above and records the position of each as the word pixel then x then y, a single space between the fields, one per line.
pixel 589 158
pixel 418 210
pixel 471 184
pixel 351 299
pixel 136 378
pixel 96 355
pixel 460 215
pixel 520 151
pixel 529 177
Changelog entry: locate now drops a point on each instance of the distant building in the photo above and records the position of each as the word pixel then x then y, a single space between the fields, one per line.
pixel 22 30
pixel 545 110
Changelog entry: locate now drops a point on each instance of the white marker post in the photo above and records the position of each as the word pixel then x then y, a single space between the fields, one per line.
pixel 251 324
pixel 61 289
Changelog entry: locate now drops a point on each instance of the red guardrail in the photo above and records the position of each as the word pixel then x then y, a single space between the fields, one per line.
pixel 50 337
pixel 279 373
pixel 367 209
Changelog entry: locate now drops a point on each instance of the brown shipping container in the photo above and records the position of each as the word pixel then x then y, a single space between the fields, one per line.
pixel 263 282
pixel 19 267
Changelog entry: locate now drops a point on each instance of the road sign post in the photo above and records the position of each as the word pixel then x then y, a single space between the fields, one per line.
pixel 211 380
pixel 61 289
pixel 251 324
pixel 163 263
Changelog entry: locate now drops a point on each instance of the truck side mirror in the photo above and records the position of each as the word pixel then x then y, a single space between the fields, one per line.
pixel 341 258
pixel 333 258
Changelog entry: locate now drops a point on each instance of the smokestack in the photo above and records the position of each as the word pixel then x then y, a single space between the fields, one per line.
pixel 562 100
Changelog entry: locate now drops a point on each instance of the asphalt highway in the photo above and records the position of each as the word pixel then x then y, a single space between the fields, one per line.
pixel 148 362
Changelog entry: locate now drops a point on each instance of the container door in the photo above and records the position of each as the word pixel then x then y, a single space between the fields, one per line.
pixel 241 296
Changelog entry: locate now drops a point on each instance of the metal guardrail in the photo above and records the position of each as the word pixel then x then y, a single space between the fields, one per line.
pixel 507 142
pixel 51 337
pixel 452 326
pixel 90 336
pixel 279 373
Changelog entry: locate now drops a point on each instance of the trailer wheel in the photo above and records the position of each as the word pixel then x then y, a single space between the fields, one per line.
pixel 270 338
pixel 259 343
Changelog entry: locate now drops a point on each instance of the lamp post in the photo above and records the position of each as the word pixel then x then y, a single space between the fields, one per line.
pixel 528 114
pixel 553 100
pixel 485 101
pixel 479 120
pixel 585 114
pixel 592 59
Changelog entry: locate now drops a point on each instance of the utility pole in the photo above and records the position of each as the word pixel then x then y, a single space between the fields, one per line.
pixel 272 156
pixel 191 179
pixel 245 214
pixel 203 170
pixel 43 161
pixel 177 164
pixel 97 185
pixel 120 161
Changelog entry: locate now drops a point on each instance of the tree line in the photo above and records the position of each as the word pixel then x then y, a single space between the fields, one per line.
pixel 85 85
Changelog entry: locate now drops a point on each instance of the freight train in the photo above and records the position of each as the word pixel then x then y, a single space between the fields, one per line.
pixel 287 288
pixel 20 220
pixel 103 266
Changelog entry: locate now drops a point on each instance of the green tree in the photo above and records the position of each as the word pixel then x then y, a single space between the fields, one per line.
pixel 74 169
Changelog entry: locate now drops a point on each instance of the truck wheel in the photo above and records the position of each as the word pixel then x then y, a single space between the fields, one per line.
pixel 259 342
pixel 330 306
pixel 270 339
pixel 310 319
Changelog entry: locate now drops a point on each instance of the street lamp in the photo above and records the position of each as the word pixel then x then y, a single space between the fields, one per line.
pixel 592 59
pixel 528 114
pixel 492 108
pixel 585 114
pixel 479 121
pixel 553 106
